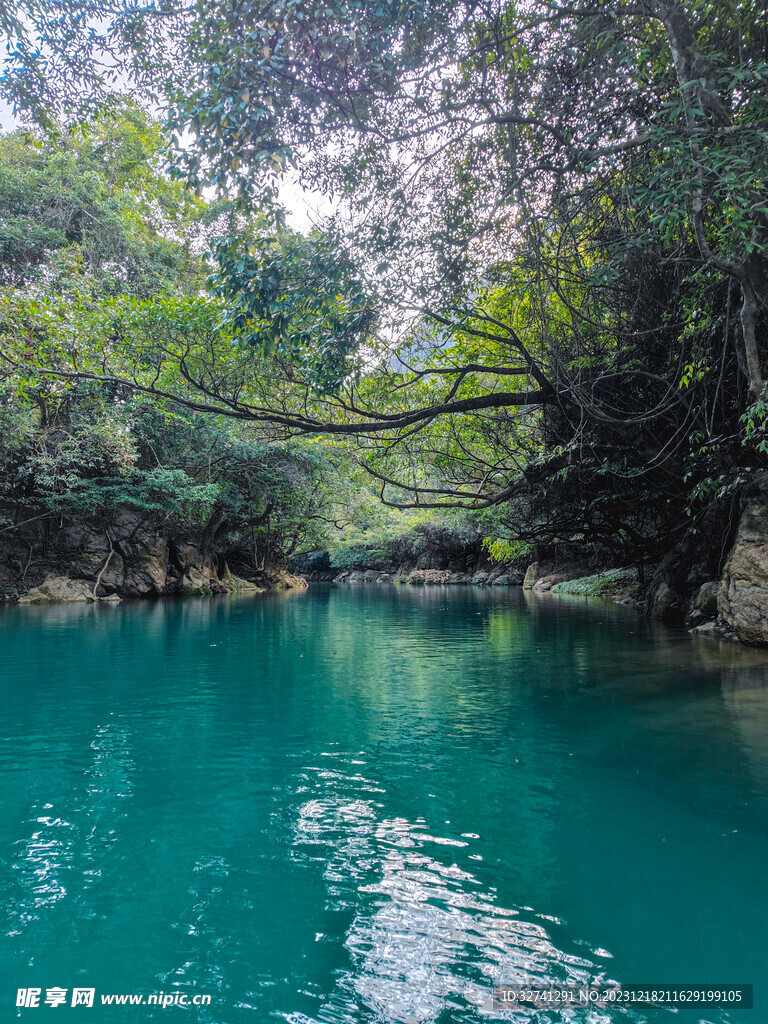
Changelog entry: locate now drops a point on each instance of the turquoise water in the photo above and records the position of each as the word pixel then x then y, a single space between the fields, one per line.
pixel 366 804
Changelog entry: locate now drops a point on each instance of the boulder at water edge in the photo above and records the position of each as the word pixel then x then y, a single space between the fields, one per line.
pixel 742 598
pixel 58 590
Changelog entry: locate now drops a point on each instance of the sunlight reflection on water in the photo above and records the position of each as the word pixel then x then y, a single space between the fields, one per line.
pixel 429 940
pixel 72 836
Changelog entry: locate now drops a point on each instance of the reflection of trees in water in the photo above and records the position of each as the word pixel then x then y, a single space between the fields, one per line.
pixel 745 696
pixel 425 937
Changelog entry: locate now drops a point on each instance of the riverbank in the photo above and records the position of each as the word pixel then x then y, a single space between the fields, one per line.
pixel 483 576
pixel 713 590
pixel 130 557
pixel 622 585
pixel 66 590
pixel 714 585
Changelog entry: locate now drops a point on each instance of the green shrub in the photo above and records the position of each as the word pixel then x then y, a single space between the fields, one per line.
pixel 358 558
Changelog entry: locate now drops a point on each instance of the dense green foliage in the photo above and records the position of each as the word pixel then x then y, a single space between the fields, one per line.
pixel 90 210
pixel 540 294
pixel 113 260
pixel 443 540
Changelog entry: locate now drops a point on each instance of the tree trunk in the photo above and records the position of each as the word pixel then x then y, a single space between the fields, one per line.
pixel 97 584
pixel 748 322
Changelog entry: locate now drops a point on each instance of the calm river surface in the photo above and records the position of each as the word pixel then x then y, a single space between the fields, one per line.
pixel 367 804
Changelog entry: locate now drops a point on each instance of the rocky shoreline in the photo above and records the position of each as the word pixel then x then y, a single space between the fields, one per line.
pixel 66 590
pixel 718 594
pixel 703 616
pixel 498 576
pixel 684 589
pixel 129 558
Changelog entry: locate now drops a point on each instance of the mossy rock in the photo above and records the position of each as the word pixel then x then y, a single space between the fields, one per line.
pixel 613 583
pixel 237 585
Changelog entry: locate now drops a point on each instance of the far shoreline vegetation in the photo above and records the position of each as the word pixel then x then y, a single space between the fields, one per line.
pixel 527 343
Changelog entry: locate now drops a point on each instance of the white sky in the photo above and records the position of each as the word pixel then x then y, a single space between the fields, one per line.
pixel 7 120
pixel 304 209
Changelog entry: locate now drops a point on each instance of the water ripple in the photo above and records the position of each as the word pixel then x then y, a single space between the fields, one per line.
pixel 66 851
pixel 425 937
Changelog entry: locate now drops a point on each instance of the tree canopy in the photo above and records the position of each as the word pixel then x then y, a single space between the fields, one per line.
pixel 545 273
pixel 103 256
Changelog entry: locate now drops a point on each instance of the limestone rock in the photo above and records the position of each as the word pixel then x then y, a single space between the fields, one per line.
pixel 546 583
pixel 58 590
pixel 201 576
pixel 113 577
pixel 194 581
pixel 145 568
pixel 664 604
pixel 428 577
pixel 707 629
pixel 532 574
pixel 185 555
pixel 237 585
pixel 132 555
pixel 742 597
pixel 716 629
pixel 282 580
